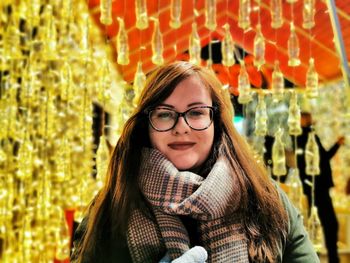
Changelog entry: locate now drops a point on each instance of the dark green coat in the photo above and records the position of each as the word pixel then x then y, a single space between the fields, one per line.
pixel 298 248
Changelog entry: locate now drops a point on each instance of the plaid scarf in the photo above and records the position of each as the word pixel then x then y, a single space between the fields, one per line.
pixel 170 193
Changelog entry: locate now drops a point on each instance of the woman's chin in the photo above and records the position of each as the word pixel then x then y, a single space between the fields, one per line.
pixel 184 165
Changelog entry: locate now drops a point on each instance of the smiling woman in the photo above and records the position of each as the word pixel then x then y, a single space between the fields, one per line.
pixel 189 188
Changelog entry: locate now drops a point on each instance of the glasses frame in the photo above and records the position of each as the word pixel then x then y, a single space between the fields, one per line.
pixel 182 114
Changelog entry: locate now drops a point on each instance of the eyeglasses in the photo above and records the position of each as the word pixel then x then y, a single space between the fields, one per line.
pixel 164 119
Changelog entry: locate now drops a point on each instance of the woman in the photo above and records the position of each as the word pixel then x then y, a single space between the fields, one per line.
pixel 189 185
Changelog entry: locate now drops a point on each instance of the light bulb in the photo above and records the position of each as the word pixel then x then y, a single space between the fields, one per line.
pixel 261 117
pixel 294 116
pixel 175 14
pixel 195 46
pixel 314 228
pixel 210 14
pixel 295 188
pixel 277 84
pixel 106 12
pixel 122 44
pixel 312 155
pixel 139 83
pixel 259 48
pixel 244 86
pixel 244 14
pixel 293 48
pixel 278 155
pixel 227 48
pixel 141 14
pixel 276 10
pixel 311 81
pixel 102 159
pixel 309 14
pixel 157 44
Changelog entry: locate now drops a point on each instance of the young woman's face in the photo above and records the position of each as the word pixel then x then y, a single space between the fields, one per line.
pixel 186 148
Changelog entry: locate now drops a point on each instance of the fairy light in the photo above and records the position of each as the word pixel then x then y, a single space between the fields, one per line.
pixel 259 43
pixel 194 41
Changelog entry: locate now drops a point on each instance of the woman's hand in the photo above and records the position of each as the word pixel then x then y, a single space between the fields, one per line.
pixel 194 255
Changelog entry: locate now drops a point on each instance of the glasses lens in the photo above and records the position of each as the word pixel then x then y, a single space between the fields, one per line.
pixel 162 119
pixel 199 118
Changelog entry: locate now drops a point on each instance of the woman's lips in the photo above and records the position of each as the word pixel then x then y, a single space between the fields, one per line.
pixel 180 146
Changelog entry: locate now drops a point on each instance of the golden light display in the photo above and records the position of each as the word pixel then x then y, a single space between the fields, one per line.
pixel 48 82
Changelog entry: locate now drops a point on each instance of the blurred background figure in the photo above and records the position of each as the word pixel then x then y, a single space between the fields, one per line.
pixel 323 183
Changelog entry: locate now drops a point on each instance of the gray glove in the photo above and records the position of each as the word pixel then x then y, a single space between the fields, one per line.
pixel 194 255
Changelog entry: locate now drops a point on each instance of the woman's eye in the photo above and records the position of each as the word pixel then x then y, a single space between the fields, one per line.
pixel 165 115
pixel 194 113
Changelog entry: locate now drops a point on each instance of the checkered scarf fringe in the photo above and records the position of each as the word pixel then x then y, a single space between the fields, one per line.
pixel 171 193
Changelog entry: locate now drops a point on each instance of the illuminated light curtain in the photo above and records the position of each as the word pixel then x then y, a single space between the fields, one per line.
pixel 46 118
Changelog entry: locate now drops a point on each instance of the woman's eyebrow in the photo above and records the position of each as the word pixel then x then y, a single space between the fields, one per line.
pixel 189 105
pixel 166 105
pixel 195 104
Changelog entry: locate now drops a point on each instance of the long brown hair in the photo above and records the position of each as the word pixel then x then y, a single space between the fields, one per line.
pixel 265 220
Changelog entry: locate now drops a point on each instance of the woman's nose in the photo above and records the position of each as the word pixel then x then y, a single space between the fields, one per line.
pixel 181 126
